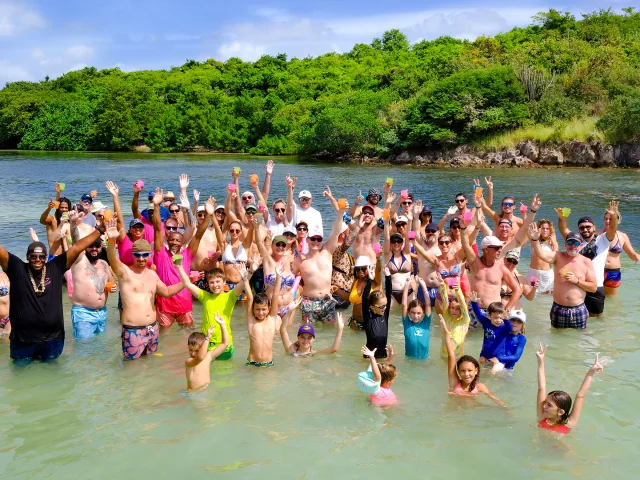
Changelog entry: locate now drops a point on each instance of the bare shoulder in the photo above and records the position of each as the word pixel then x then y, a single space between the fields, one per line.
pixel 482 388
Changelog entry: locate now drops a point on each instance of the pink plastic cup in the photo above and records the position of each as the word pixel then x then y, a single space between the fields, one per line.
pixel 534 280
pixel 377 248
pixel 194 276
pixel 404 193
pixel 411 235
pixel 232 187
pixel 140 184
pixel 467 217
pixel 452 281
pixel 523 209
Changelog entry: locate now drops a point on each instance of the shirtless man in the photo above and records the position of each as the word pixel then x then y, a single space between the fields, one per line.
pixel 138 288
pixel 461 207
pixel 508 206
pixel 262 324
pixel 90 275
pixel 53 224
pixel 373 199
pixel 205 258
pixel 574 275
pixel 487 273
pixel 315 269
pixel 369 232
pixel 427 249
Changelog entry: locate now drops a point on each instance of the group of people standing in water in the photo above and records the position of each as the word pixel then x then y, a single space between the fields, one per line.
pixel 275 257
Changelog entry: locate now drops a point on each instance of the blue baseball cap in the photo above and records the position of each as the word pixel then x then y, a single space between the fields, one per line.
pixel 151 194
pixel 86 198
pixel 306 328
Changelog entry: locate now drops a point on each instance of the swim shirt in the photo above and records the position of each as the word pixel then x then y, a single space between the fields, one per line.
pixel 494 337
pixel 513 348
pixel 416 336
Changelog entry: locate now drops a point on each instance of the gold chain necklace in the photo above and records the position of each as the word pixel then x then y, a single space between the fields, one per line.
pixel 40 288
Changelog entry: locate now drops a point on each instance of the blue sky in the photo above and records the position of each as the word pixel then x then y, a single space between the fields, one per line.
pixel 50 37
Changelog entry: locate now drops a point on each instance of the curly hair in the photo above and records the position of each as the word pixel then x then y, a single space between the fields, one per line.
pixel 470 359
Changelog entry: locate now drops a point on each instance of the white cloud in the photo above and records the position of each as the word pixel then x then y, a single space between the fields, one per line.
pixel 12 73
pixel 245 50
pixel 16 17
pixel 79 52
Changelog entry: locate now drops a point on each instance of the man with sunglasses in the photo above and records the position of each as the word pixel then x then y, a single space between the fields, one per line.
pixel 487 273
pixel 596 248
pixel 276 224
pixel 35 310
pixel 315 269
pixel 87 203
pixel 303 212
pixel 508 206
pixel 574 277
pixel 146 217
pixel 368 233
pixel 179 307
pixel 373 199
pixel 427 248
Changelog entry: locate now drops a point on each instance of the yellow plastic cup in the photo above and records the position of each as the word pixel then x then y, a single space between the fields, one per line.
pixel 62 186
pixel 478 192
pixel 385 214
pixel 56 205
pixel 342 203
pixel 389 181
pixel 566 212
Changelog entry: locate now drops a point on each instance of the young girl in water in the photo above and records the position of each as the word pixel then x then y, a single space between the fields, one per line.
pixel 465 373
pixel 375 315
pixel 554 408
pixel 456 315
pixel 416 322
pixel 377 380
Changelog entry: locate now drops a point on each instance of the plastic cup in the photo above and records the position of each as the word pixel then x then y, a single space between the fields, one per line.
pixel 56 205
pixel 108 215
pixel 478 192
pixel 261 206
pixel 377 248
pixel 411 235
pixel 94 193
pixel 140 184
pixel 231 187
pixel 177 259
pixel 523 209
pixel 62 186
pixel 566 212
pixel 211 253
pixel 385 214
pixel 404 193
pixel 237 170
pixel 467 217
pixel 389 181
pixel 65 215
pixel 109 286
pixel 342 203
pixel 452 281
pixel 194 276
pixel 253 178
pixel 534 280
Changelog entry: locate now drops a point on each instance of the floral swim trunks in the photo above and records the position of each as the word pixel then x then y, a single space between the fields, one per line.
pixel 138 341
pixel 318 309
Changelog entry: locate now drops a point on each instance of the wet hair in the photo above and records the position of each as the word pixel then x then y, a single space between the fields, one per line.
pixel 563 401
pixel 388 372
pixel 261 299
pixel 496 307
pixel 58 213
pixel 455 300
pixel 552 231
pixel 470 359
pixel 196 339
pixel 216 272
pixel 415 303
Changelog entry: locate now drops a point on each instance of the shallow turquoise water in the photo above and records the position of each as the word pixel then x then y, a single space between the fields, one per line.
pixel 92 415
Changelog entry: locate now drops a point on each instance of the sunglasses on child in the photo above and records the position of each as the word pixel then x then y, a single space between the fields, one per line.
pixel 141 254
pixel 381 306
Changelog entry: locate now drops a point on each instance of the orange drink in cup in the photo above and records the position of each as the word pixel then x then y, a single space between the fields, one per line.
pixel 194 276
pixel 108 214
pixel 254 178
pixel 478 192
pixel 109 286
pixel 342 203
pixel 390 181
pixel 385 214
pixel 56 205
pixel 94 193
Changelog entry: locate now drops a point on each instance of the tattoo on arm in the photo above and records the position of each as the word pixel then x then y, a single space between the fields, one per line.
pixel 75 233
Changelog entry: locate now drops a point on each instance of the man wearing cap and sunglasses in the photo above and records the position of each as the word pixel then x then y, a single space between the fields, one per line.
pixel 596 248
pixel 87 203
pixel 36 313
pixel 315 269
pixel 303 212
pixel 373 199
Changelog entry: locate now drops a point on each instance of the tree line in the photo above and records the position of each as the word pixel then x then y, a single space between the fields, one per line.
pixel 376 99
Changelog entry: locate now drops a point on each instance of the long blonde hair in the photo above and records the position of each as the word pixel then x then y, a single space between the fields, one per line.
pixel 552 231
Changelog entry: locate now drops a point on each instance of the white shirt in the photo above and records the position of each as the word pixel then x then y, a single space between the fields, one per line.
pixel 311 216
pixel 599 261
pixel 273 226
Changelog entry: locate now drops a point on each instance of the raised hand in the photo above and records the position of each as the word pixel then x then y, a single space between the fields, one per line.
pixel 389 350
pixel 559 212
pixel 184 181
pixel 613 208
pixel 184 201
pixel 51 204
pixel 533 233
pixel 137 188
pixel 112 229
pixel 34 235
pixel 596 367
pixel 295 303
pixel 452 210
pixel 540 353
pixel 359 198
pixel 327 192
pixel 196 195
pixel 220 319
pixel 476 182
pixel 536 203
pixel 210 206
pixel 269 167
pixel 473 296
pixel 417 208
pixel 391 198
pixel 367 352
pixel 242 270
pixel 235 174
pixel 112 188
pixel 158 197
pixel 488 182
pixel 57 188
pixel 75 216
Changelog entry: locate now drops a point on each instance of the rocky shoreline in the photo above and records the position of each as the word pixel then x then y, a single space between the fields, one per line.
pixel 528 154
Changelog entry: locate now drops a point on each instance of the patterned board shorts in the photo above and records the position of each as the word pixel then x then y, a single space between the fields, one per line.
pixel 318 309
pixel 4 321
pixel 612 277
pixel 474 322
pixel 569 317
pixel 138 341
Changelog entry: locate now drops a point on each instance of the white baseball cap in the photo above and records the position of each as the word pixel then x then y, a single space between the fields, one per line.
pixel 305 193
pixel 362 261
pixel 518 315
pixel 401 219
pixel 491 241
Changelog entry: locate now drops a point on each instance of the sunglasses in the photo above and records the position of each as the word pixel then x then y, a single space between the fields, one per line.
pixel 96 245
pixel 201 214
pixel 396 241
pixel 279 210
pixel 407 203
pixel 495 247
pixel 174 211
pixel 302 229
pixel 289 234
pixel 305 199
pixel 360 269
pixel 401 225
pixel 315 239
pixel 99 215
pixel 171 229
pixel 573 243
pixel 455 227
pixel 460 200
pixel 381 307
pixel 141 254
pixel 367 213
pixel 250 212
pixel 585 227
pixel 247 198
pixel 508 204
pixel 430 231
pixel 512 261
pixel 281 244
pixel 444 242
pixel 36 256
pixel 234 230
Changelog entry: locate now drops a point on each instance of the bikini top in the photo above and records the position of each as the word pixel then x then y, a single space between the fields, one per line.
pixel 405 267
pixel 454 272
pixel 556 427
pixel 4 290
pixel 458 390
pixel 229 257
pixel 287 282
pixel 355 298
pixel 617 248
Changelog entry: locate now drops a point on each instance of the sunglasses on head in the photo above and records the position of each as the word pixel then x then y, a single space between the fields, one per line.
pixel 460 200
pixel 234 230
pixel 302 229
pixel 279 210
pixel 315 239
pixel 281 244
pixel 37 256
pixel 512 261
pixel 573 243
pixel 444 242
pixel 174 211
pixel 141 254
pixel 508 204
pixel 305 199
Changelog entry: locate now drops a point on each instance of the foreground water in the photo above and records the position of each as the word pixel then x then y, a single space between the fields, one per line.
pixel 92 415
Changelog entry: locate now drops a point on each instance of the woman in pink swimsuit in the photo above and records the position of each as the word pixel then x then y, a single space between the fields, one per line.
pixel 465 373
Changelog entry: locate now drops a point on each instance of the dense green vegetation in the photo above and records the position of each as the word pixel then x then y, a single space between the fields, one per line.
pixel 375 99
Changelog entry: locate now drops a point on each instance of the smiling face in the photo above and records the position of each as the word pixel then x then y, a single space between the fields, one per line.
pixel 491 253
pixel 444 244
pixel 508 204
pixel 550 409
pixel 248 198
pixel 367 214
pixel 545 230
pixel 37 260
pixel 216 285
pixel 461 203
pixel 305 340
pixel 234 231
pixel 587 230
pixel 279 209
pixel 573 246
pixel 496 319
pixel 516 326
pixel 260 311
pixel 467 371
pixel 504 230
pixel 174 240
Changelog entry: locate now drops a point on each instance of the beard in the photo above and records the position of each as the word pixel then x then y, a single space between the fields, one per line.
pixel 93 259
pixel 572 254
pixel 431 239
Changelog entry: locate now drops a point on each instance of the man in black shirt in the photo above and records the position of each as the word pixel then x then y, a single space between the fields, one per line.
pixel 36 313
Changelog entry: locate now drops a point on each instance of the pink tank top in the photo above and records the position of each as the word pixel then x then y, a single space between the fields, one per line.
pixel 384 397
pixel 124 251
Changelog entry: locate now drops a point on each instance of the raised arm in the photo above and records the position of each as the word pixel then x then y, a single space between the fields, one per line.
pixel 374 365
pixel 168 291
pixel 405 296
pixel 488 211
pixel 562 224
pixel 442 223
pixel 534 237
pixel 432 259
pixel 489 190
pixel 44 218
pixel 613 224
pixel 521 236
pixel 542 382
pixel 332 242
pixel 452 373
pixel 285 324
pixel 353 211
pixel 244 284
pixel 79 245
pixel 134 202
pixel 209 208
pixel 114 261
pixel 291 184
pixel 117 209
pixel 574 416
pixel 469 254
pixel 202 353
pixel 157 224
pixel 193 290
pixel 338 338
pixel 266 185
pixel 334 203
